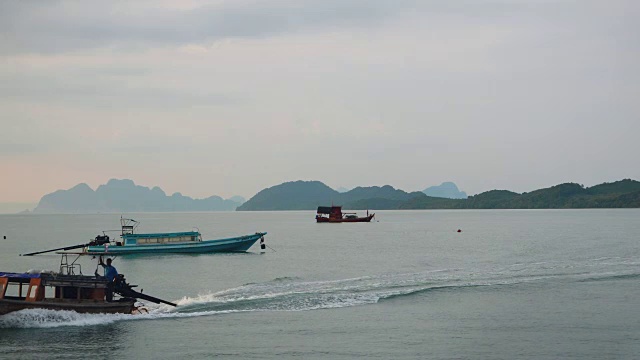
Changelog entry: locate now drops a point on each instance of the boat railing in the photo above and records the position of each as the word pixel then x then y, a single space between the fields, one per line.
pixel 128 226
pixel 69 268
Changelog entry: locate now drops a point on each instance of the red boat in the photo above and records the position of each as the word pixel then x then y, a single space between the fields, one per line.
pixel 334 214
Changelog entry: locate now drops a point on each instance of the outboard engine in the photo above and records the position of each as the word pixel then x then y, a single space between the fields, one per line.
pixel 126 290
pixel 100 240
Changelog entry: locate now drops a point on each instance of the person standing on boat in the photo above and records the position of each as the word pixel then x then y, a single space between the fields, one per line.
pixel 110 273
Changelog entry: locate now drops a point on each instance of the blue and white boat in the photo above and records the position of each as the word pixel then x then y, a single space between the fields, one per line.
pixel 163 243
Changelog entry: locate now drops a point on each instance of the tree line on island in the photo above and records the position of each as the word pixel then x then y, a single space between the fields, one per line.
pixel 308 195
pixel 126 196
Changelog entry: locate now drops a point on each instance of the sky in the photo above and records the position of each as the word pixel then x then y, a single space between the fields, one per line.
pixel 231 97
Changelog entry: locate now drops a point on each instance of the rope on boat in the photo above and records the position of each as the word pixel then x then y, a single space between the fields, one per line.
pixel 270 247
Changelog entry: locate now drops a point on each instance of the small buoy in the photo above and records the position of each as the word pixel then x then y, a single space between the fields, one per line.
pixel 5 237
pixel 459 230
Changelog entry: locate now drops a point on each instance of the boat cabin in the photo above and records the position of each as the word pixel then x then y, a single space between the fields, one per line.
pixel 63 290
pixel 51 287
pixel 130 238
pixel 160 238
pixel 68 289
pixel 330 212
pixel 334 214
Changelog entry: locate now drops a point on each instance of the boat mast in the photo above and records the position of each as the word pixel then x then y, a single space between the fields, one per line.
pixel 128 225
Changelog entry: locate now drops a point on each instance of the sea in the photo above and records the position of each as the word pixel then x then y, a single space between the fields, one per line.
pixel 433 284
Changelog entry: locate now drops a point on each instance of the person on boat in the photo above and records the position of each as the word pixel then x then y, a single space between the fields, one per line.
pixel 110 273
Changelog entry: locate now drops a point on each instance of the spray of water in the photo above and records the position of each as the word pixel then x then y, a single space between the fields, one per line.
pixel 295 294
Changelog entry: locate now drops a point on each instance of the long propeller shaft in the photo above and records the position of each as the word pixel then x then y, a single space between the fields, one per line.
pixel 99 240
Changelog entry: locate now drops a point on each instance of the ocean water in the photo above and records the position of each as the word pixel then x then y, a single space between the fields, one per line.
pixel 513 284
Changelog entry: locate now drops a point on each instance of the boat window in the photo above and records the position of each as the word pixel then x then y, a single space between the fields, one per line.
pixel 13 290
pixel 69 292
pixel 167 239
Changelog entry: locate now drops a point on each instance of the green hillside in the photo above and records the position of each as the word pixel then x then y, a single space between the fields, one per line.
pixel 619 187
pixel 308 195
pixel 294 195
pixel 619 194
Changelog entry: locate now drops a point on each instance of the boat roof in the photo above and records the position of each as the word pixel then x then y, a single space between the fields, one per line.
pixel 159 235
pixel 53 279
pixel 327 209
pixel 12 275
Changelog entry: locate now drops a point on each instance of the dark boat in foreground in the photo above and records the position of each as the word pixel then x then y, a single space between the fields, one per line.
pixel 67 291
pixel 334 214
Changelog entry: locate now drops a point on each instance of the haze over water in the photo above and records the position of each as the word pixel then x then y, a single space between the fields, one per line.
pixel 523 284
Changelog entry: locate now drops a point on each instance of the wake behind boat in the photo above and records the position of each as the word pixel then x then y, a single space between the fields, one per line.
pixel 160 243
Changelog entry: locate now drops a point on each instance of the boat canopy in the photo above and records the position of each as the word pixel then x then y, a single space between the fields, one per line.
pixel 324 209
pixel 19 275
pixel 161 235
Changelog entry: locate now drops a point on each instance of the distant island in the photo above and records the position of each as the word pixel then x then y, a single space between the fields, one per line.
pixel 308 195
pixel 125 196
pixel 447 190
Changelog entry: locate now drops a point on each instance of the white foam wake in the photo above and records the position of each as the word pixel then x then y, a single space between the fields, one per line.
pixel 295 294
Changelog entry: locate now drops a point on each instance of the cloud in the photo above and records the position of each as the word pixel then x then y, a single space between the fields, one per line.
pixel 62 26
pixel 102 94
pixel 488 93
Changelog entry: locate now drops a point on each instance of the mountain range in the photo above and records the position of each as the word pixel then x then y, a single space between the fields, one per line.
pixel 308 195
pixel 125 196
pixel 619 194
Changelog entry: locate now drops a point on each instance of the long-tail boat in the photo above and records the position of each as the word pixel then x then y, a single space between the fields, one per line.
pixel 66 290
pixel 160 243
pixel 334 214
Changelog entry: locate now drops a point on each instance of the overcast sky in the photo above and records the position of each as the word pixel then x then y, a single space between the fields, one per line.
pixel 230 97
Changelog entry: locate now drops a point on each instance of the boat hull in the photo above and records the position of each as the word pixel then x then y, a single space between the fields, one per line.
pixel 321 219
pixel 236 244
pixel 90 307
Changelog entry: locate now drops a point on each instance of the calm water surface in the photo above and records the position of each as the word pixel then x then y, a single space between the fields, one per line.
pixel 514 284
